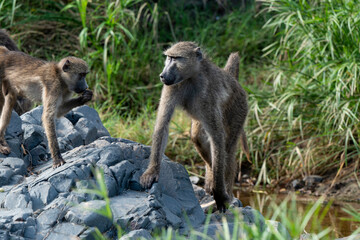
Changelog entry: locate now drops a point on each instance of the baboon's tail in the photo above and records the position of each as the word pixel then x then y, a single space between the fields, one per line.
pixel 232 64
pixel 244 145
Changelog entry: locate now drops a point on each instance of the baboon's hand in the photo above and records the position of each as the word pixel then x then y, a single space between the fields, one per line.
pixel 58 162
pixel 86 95
pixel 222 200
pixel 148 178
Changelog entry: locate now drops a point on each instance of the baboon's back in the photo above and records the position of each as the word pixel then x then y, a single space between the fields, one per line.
pixel 6 41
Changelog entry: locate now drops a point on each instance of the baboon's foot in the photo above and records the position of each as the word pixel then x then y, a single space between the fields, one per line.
pixel 222 200
pixel 4 147
pixel 148 178
pixel 58 163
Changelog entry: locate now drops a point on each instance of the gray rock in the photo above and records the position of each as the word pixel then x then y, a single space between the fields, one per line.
pixel 87 130
pixel 38 155
pixel 33 135
pixel 47 219
pixel 122 173
pixel 15 214
pixel 14 128
pixel 296 184
pixel 42 194
pixel 5 175
pixel 111 155
pixel 85 213
pixel 137 234
pixel 15 146
pixel 252 216
pixel 33 116
pixel 194 179
pixel 66 231
pixel 74 117
pixel 18 198
pixel 311 180
pixel 16 179
pixel 111 185
pixel 4 234
pixel 92 115
pixel 18 165
pixel 65 129
pixel 29 119
pixel 61 182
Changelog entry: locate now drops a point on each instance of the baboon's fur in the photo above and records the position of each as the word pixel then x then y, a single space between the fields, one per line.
pixel 22 104
pixel 48 82
pixel 218 107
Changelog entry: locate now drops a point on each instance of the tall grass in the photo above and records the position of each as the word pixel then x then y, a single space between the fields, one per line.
pixel 308 124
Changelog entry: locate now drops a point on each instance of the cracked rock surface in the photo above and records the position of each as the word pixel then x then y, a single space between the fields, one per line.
pixel 38 202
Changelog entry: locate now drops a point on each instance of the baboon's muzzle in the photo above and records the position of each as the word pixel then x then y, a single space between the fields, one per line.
pixel 166 79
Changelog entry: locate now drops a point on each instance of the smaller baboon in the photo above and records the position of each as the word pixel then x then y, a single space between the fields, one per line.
pixel 22 104
pixel 217 105
pixel 48 82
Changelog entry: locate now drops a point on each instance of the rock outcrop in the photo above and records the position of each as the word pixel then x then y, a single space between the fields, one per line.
pixel 38 202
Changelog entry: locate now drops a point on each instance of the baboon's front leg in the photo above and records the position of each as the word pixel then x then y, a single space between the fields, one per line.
pixel 159 142
pixel 48 119
pixel 10 100
pixel 74 102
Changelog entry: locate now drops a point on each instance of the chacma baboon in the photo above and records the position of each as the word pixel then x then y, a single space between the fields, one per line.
pixel 217 105
pixel 22 104
pixel 48 82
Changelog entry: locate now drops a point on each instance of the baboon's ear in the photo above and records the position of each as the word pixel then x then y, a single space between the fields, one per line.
pixel 198 53
pixel 66 66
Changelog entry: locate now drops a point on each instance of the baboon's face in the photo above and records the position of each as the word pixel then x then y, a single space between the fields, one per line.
pixel 76 71
pixel 180 64
pixel 171 73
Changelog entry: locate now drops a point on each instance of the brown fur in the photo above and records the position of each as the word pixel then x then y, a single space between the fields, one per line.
pixel 40 81
pixel 22 104
pixel 218 107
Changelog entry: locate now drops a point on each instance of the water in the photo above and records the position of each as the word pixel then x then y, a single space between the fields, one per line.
pixel 333 218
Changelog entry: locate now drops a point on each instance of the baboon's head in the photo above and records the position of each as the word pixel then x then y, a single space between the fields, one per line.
pixel 74 71
pixel 183 61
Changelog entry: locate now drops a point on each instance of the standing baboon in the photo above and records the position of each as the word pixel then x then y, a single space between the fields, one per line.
pixel 22 104
pixel 218 107
pixel 48 82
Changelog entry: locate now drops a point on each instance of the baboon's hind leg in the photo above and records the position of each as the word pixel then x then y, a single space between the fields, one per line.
pixel 202 145
pixel 230 170
pixel 10 99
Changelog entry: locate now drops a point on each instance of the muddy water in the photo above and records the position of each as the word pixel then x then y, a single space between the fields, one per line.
pixel 333 218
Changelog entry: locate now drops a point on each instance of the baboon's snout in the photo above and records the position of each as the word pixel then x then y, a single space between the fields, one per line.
pixel 166 78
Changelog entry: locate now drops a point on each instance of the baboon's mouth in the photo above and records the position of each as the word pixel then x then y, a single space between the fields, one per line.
pixel 79 91
pixel 167 81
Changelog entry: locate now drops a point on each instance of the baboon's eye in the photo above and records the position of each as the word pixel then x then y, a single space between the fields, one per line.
pixel 176 58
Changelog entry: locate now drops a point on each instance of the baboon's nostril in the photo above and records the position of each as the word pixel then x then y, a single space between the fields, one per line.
pixel 161 76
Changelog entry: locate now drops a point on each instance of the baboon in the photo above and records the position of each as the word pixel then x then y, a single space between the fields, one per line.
pixel 217 105
pixel 22 104
pixel 48 82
